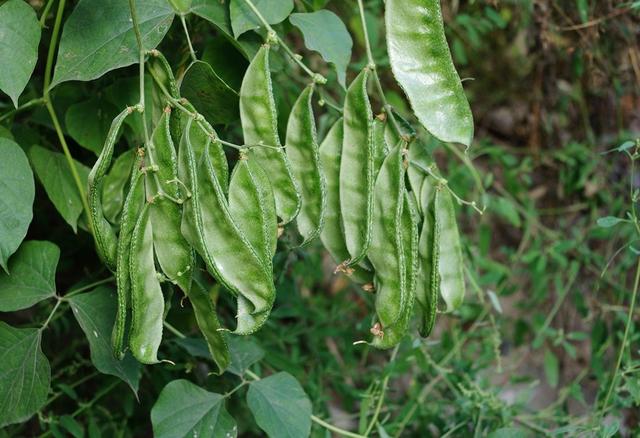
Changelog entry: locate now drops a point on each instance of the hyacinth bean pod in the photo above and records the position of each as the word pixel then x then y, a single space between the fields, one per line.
pixel 259 120
pixel 253 208
pixel 302 151
pixel 421 63
pixel 172 250
pixel 147 301
pixel 356 169
pixel 133 204
pixel 450 261
pixel 103 234
pixel 209 227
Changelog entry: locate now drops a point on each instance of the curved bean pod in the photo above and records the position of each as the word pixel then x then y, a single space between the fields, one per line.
pixel 331 235
pixel 253 208
pixel 147 301
pixel 428 282
pixel 209 228
pixel 421 63
pixel 204 309
pixel 385 252
pixel 419 160
pixel 450 262
pixel 260 126
pixel 103 234
pixel 356 169
pixel 391 335
pixel 173 252
pixel 130 212
pixel 302 151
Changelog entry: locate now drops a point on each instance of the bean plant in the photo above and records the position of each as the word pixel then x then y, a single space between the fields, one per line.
pixel 200 182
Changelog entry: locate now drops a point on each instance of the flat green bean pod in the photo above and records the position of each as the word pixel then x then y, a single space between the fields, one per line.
pixel 302 150
pixel 419 161
pixel 253 207
pixel 133 204
pixel 147 301
pixel 103 234
pixel 389 336
pixel 204 308
pixel 160 69
pixel 331 235
pixel 421 63
pixel 379 144
pixel 385 252
pixel 450 261
pixel 428 281
pixel 173 252
pixel 211 230
pixel 356 169
pixel 260 127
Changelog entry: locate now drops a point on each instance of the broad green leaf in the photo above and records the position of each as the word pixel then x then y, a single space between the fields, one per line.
pixel 209 94
pixel 421 63
pixel 226 60
pixel 71 425
pixel 186 410
pixel 113 190
pixel 17 191
pixel 25 375
pixel 280 406
pixel 19 38
pixel 610 221
pixel 325 33
pixel 95 311
pixel 196 347
pixel 98 37
pixel 244 19
pixel 32 278
pixel 5 133
pixel 55 175
pixel 88 123
pixel 244 352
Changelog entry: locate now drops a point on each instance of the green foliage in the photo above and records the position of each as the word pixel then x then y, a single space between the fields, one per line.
pixel 544 342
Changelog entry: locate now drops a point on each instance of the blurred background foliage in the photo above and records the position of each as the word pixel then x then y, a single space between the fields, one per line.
pixel 553 84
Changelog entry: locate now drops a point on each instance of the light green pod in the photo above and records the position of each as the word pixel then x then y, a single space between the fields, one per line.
pixel 379 145
pixel 450 261
pixel 331 235
pixel 253 208
pixel 302 150
pixel 419 160
pixel 391 335
pixel 422 65
pixel 173 252
pixel 356 169
pixel 260 126
pixel 385 251
pixel 204 309
pixel 147 301
pixel 210 229
pixel 103 234
pixel 130 212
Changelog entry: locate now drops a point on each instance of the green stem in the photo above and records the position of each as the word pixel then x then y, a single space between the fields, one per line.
pixel 186 32
pixel 52 113
pixel 317 78
pixel 24 106
pixel 45 12
pixel 374 70
pixel 174 330
pixel 335 429
pixel 53 311
pixel 141 52
pixel 632 306
pixel 85 288
pixel 383 391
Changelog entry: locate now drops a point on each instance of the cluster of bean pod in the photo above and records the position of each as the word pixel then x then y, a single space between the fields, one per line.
pixel 367 191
